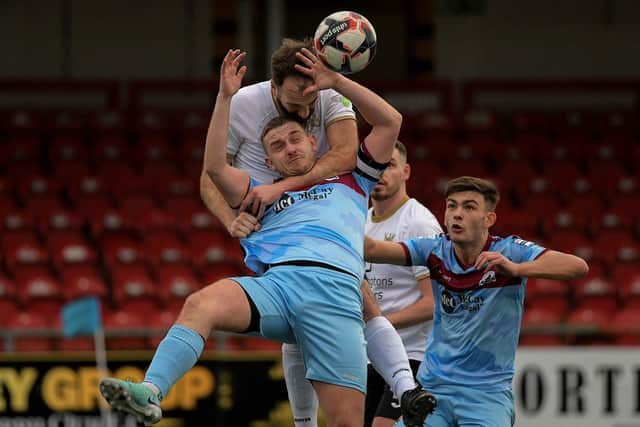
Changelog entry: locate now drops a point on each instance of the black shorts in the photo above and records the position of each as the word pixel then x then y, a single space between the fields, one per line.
pixel 380 401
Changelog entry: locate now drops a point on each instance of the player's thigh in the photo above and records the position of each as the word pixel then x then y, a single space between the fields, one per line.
pixel 436 419
pixel 272 305
pixel 222 305
pixel 487 409
pixel 341 405
pixel 370 306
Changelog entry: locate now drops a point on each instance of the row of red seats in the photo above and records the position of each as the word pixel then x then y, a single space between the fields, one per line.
pixel 125 330
pixel 473 122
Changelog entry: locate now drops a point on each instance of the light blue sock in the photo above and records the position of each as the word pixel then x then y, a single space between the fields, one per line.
pixel 177 353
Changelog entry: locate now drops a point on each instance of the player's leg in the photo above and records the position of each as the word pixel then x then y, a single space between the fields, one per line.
pixel 376 387
pixel 342 406
pixel 387 354
pixel 487 409
pixel 222 306
pixel 302 396
pixel 388 411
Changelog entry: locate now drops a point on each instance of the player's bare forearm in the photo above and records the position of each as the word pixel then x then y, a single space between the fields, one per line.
pixel 418 312
pixel 215 202
pixel 554 265
pixel 381 252
pixel 384 119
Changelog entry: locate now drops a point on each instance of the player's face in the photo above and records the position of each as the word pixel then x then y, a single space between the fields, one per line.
pixel 393 178
pixel 467 218
pixel 292 102
pixel 290 151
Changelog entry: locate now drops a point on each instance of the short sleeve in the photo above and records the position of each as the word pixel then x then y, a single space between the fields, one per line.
pixel 419 249
pixel 524 250
pixel 336 107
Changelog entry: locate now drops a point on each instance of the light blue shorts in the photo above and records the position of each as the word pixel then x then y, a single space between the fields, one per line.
pixel 320 310
pixel 463 407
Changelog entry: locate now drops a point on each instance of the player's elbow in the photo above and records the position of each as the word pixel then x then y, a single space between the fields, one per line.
pixel 580 268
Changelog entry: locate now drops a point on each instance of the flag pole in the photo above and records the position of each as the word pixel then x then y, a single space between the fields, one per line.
pixel 101 366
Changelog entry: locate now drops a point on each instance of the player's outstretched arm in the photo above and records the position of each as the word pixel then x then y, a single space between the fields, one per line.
pixel 233 183
pixel 381 252
pixel 384 119
pixel 550 265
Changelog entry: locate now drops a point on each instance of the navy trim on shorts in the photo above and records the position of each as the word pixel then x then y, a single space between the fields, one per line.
pixel 304 263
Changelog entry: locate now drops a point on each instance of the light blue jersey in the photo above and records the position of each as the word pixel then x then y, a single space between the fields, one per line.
pixel 322 223
pixel 477 315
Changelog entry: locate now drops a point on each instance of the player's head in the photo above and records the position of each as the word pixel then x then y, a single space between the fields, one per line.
pixel 289 83
pixel 395 177
pixel 290 150
pixel 470 208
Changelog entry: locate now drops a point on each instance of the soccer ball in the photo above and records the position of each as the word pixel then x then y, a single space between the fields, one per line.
pixel 345 41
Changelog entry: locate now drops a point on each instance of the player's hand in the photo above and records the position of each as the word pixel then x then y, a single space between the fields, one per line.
pixel 322 76
pixel 499 262
pixel 259 198
pixel 231 73
pixel 243 225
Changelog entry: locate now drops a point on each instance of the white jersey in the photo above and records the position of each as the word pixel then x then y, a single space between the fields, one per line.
pixel 254 106
pixel 395 287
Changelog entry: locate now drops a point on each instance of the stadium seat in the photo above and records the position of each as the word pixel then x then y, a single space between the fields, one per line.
pixel 81 281
pixel 133 289
pixel 540 326
pixel 38 187
pixel 480 127
pixel 125 330
pixel 70 248
pixel 175 282
pixel 539 287
pixel 625 326
pixel 207 247
pixel 65 149
pixel 60 221
pixel 67 172
pixel 617 245
pixel 134 205
pixel 588 322
pixel 178 186
pixel 436 127
pixel 575 242
pixel 8 301
pixel 108 222
pixel 28 327
pixel 23 252
pixel 627 276
pixel 93 206
pixel 164 247
pixel 108 151
pixel 595 286
pixel 105 124
pixel 120 249
pixel 152 220
pixel 38 290
pixel 530 123
pixel 211 273
pixel 155 149
pixel 159 170
pixel 44 206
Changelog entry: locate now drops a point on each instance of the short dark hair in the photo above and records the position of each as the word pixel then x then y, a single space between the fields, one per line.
pixel 276 122
pixel 402 150
pixel 284 59
pixel 470 183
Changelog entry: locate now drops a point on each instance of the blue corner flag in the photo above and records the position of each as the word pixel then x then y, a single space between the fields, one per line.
pixel 81 317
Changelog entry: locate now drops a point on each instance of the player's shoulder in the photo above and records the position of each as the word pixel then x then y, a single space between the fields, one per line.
pixel 252 93
pixel 420 214
pixel 511 240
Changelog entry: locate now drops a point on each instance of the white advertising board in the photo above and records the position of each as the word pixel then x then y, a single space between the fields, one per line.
pixel 577 387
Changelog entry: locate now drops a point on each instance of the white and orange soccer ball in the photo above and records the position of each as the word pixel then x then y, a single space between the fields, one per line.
pixel 345 41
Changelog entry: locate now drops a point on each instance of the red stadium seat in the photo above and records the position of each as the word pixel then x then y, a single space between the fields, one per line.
pixel 44 206
pixel 125 330
pixel 207 247
pixel 64 149
pixel 108 222
pixel 81 281
pixel 108 151
pixel 156 219
pixel 8 302
pixel 18 220
pixel 165 247
pixel 30 322
pixel 68 172
pixel 134 205
pixel 39 291
pixel 175 283
pixel 540 326
pixel 121 249
pixel 211 273
pixel 71 248
pixel 436 127
pixel 23 252
pixel 38 187
pixel 595 286
pixel 617 245
pixel 531 123
pixel 133 288
pixel 93 206
pixel 587 322
pixel 178 186
pixel 538 287
pixel 106 123
pixel 19 151
pixel 153 149
pixel 627 276
pixel 625 325
pixel 62 220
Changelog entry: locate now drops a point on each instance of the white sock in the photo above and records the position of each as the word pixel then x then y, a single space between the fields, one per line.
pixel 302 396
pixel 388 355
